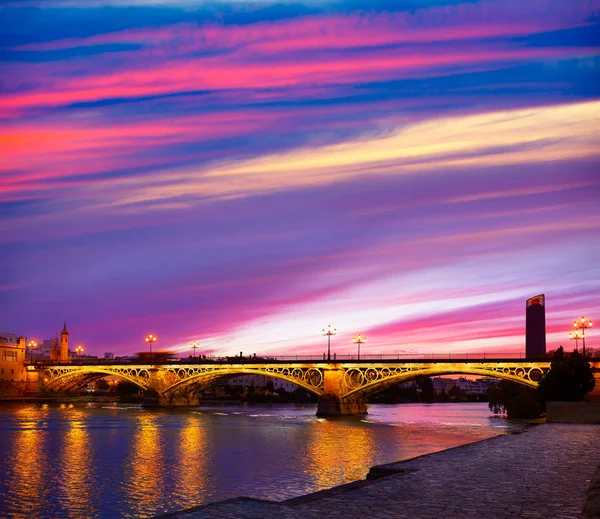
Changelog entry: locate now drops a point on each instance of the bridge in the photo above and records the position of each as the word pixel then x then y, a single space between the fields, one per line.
pixel 342 386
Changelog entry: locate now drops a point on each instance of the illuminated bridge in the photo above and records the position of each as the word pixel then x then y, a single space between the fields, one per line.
pixel 342 386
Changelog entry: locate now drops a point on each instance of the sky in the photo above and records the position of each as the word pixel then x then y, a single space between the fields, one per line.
pixel 243 174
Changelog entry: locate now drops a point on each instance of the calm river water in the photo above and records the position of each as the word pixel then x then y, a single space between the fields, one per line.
pixel 114 460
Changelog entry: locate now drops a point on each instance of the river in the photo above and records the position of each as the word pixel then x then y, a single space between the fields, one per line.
pixel 93 460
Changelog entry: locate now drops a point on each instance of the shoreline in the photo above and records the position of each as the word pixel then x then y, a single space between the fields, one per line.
pixel 529 473
pixel 376 472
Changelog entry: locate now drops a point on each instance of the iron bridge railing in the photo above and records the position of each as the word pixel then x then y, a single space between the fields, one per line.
pixel 379 357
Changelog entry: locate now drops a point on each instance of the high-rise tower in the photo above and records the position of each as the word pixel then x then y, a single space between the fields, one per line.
pixel 535 327
pixel 64 345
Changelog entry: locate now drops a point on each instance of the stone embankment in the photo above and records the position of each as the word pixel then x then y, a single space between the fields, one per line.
pixel 548 471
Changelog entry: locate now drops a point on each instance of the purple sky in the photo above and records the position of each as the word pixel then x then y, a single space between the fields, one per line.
pixel 244 174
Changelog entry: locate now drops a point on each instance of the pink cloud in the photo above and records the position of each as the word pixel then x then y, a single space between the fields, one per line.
pixel 304 52
pixel 219 74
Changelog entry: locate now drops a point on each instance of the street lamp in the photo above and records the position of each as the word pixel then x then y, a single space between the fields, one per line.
pixel 79 350
pixel 195 346
pixel 329 331
pixel 575 337
pixel 150 339
pixel 32 345
pixel 582 324
pixel 358 340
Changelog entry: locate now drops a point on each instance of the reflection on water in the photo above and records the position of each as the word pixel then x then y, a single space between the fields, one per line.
pixel 334 458
pixel 145 468
pixel 76 473
pixel 94 461
pixel 191 487
pixel 25 485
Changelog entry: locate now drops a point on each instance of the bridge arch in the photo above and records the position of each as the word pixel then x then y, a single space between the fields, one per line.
pixel 176 378
pixel 363 382
pixel 70 377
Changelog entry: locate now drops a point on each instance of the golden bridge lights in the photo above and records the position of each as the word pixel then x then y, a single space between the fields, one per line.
pixel 329 331
pixel 79 350
pixel 151 339
pixel 358 340
pixel 582 325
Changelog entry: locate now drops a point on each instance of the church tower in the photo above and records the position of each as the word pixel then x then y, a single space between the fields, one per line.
pixel 64 345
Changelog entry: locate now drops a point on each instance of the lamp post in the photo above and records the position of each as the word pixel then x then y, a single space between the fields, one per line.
pixel 195 346
pixel 79 351
pixel 582 324
pixel 150 339
pixel 358 340
pixel 575 337
pixel 329 331
pixel 32 345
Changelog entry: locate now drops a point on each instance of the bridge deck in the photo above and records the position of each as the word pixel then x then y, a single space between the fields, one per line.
pixel 298 360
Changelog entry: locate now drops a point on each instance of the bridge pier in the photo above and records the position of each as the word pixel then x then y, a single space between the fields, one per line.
pixel 170 401
pixel 160 394
pixel 333 405
pixel 333 401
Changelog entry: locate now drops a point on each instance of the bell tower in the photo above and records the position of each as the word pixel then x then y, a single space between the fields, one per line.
pixel 64 345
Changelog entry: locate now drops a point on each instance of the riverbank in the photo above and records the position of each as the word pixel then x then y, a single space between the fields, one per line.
pixel 545 471
pixel 60 399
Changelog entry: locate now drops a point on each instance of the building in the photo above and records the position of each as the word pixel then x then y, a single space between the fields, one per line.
pixel 61 353
pixel 12 357
pixel 472 387
pixel 259 381
pixel 535 327
pixel 51 349
pixel 42 351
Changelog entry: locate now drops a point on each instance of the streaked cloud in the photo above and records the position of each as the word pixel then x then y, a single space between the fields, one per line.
pixel 246 173
pixel 555 133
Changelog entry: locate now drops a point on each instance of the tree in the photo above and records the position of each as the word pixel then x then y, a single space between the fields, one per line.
pixel 457 394
pixel 514 400
pixel 569 379
pixel 126 388
pixel 426 387
pixel 102 384
pixel 593 353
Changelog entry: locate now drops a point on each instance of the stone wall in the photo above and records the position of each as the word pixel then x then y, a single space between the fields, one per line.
pixel 573 412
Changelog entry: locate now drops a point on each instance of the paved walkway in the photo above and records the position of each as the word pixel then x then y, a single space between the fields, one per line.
pixel 543 472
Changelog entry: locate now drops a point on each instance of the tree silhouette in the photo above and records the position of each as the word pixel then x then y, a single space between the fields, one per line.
pixel 569 379
pixel 515 400
pixel 426 386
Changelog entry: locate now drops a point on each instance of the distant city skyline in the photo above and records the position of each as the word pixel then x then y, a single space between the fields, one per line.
pixel 245 174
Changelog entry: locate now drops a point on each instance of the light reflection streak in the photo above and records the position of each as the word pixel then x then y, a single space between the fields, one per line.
pixel 191 454
pixel 76 484
pixel 339 452
pixel 144 477
pixel 26 489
